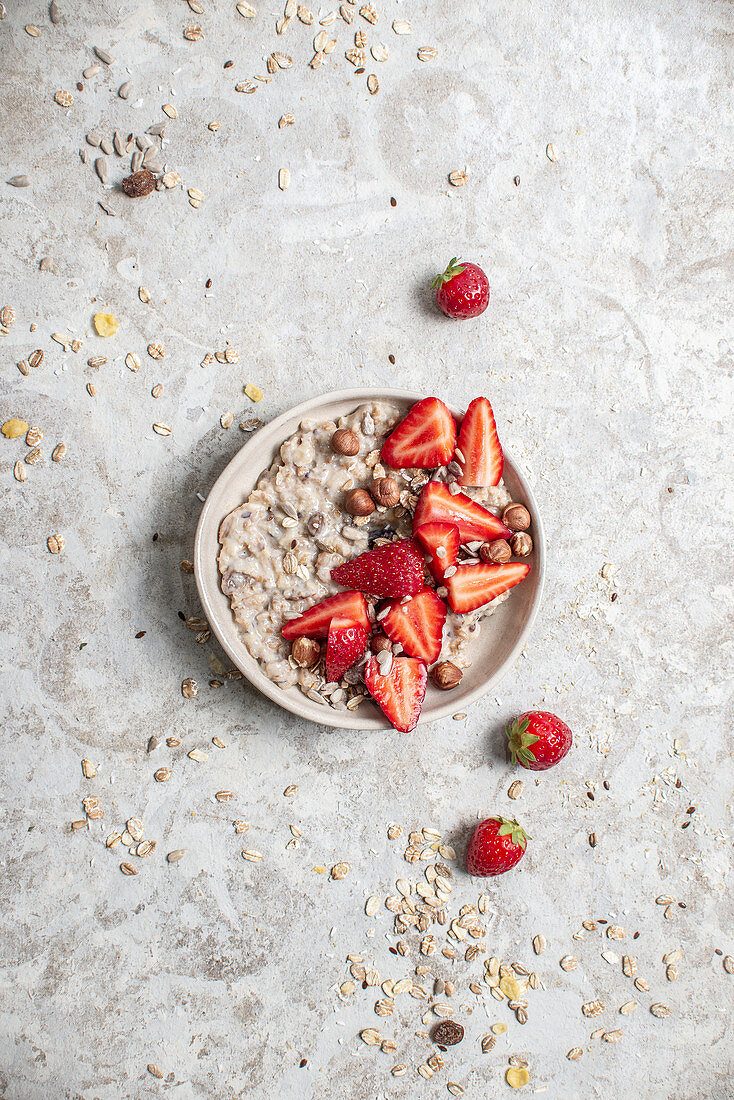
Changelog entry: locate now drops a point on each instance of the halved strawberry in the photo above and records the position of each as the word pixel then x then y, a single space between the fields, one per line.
pixel 417 625
pixel 479 443
pixel 441 540
pixel 425 438
pixel 314 623
pixel 347 642
pixel 472 586
pixel 399 694
pixel 395 569
pixel 437 505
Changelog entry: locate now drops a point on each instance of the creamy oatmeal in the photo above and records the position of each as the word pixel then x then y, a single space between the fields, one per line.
pixel 278 548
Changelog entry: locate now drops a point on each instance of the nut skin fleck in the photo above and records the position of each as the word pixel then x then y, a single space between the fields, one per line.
pixel 385 491
pixel 306 652
pixel 345 442
pixel 496 551
pixel 516 517
pixel 446 675
pixel 522 545
pixel 358 502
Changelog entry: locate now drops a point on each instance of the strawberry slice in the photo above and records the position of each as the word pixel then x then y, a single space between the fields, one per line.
pixel 479 443
pixel 417 625
pixel 441 540
pixel 472 586
pixel 425 438
pixel 437 505
pixel 399 694
pixel 347 642
pixel 314 623
pixel 395 569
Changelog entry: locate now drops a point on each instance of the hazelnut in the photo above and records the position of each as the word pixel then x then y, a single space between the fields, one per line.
pixel 497 551
pixel 306 652
pixel 516 517
pixel 358 502
pixel 386 491
pixel 380 643
pixel 522 545
pixel 446 675
pixel 345 442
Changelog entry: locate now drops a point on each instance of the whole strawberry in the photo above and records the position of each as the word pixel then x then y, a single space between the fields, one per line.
pixel 462 291
pixel 538 740
pixel 497 844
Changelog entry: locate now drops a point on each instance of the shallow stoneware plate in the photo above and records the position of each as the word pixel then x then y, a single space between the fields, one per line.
pixel 493 652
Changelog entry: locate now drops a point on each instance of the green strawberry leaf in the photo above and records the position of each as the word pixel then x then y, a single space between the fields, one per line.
pixel 455 268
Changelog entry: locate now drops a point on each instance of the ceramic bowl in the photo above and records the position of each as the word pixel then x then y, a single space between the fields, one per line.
pixel 493 652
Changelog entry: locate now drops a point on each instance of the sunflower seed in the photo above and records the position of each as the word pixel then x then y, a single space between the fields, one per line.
pixel 100 167
pixel 551 152
pixel 32 30
pixel 125 90
pixel 176 855
pixel 19 181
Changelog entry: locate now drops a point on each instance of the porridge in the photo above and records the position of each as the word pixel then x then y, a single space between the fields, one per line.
pixel 328 498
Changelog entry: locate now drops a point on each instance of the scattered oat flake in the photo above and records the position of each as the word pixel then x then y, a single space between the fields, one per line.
pixel 373 84
pixel 574 1053
pixel 340 870
pixel 162 429
pixel 457 179
pixel 193 33
pixel 290 790
pixel 400 26
pixel 198 755
pixel 517 1076
pixel 128 869
pixel 246 10
pixel 19 471
pixel 226 419
pixel 251 856
pixel 551 152
pixel 427 53
pixel 284 179
pixel 156 351
pixel 286 120
pixel 55 543
pixel 64 99
pixel 154 1071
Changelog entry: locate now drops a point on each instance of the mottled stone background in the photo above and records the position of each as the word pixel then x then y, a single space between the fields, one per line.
pixel 606 351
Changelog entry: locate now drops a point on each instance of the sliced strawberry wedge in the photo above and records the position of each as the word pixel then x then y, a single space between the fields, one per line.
pixel 395 569
pixel 441 540
pixel 417 625
pixel 399 694
pixel 347 642
pixel 425 438
pixel 479 443
pixel 472 586
pixel 437 505
pixel 314 623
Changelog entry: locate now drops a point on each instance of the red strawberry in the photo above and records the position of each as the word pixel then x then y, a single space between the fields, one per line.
pixel 538 740
pixel 417 625
pixel 314 623
pixel 462 290
pixel 399 694
pixel 441 540
pixel 496 845
pixel 472 586
pixel 347 642
pixel 478 442
pixel 425 438
pixel 395 569
pixel 437 505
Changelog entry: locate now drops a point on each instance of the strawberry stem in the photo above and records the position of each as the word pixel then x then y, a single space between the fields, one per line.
pixel 455 268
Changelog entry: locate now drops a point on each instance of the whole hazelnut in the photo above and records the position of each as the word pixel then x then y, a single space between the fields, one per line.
pixel 522 545
pixel 386 491
pixel 306 652
pixel 446 675
pixel 358 502
pixel 497 551
pixel 516 517
pixel 345 442
pixel 380 643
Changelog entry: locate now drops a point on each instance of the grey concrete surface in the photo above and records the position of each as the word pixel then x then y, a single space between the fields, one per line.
pixel 607 353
